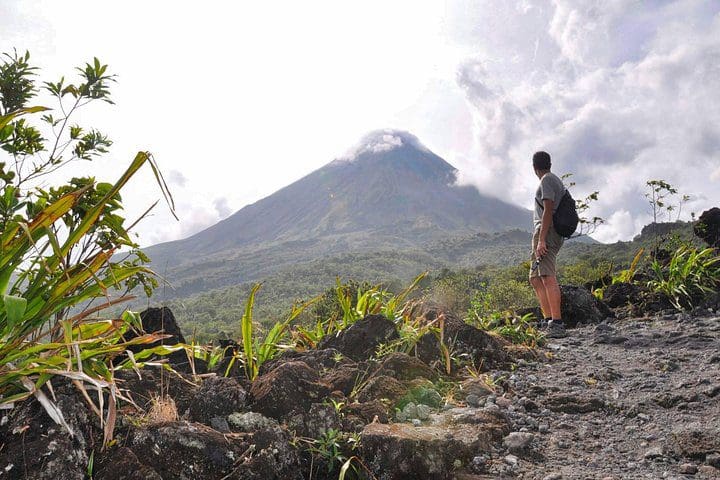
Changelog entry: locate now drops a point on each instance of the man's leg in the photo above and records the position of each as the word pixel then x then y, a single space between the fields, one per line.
pixel 542 296
pixel 552 291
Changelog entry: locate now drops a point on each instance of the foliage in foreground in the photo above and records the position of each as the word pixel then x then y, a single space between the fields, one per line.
pixel 58 246
pixel 688 277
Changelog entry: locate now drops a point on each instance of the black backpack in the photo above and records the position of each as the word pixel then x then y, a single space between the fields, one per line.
pixel 565 218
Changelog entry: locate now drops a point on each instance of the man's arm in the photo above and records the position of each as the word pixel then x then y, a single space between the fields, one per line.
pixel 545 225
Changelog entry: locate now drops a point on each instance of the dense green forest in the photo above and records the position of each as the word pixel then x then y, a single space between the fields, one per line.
pixel 459 268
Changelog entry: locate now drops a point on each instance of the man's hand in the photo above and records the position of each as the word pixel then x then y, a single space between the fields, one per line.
pixel 541 249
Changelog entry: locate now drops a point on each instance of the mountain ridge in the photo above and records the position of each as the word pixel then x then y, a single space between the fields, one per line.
pixel 389 191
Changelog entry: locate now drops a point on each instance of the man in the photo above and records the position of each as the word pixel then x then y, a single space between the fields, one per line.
pixel 546 243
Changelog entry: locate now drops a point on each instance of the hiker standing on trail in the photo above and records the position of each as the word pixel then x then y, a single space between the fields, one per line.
pixel 546 243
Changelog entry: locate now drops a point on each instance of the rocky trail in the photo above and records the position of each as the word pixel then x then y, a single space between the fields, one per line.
pixel 628 398
pixel 631 399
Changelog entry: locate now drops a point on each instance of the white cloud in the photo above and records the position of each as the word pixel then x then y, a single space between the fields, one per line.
pixel 617 92
pixel 715 175
pixel 222 207
pixel 175 177
pixel 379 141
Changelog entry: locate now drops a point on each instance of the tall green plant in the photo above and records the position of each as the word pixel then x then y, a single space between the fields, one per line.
pixel 58 268
pixel 257 350
pixel 689 276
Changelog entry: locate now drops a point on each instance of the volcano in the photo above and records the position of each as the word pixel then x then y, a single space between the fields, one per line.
pixel 389 191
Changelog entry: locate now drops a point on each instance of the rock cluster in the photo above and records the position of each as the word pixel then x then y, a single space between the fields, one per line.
pixel 631 398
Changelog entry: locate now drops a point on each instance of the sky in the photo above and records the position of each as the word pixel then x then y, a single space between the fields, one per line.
pixel 238 99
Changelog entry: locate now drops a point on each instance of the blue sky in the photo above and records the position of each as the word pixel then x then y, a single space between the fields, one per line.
pixel 237 99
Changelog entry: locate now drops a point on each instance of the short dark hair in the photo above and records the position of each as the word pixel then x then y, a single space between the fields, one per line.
pixel 541 161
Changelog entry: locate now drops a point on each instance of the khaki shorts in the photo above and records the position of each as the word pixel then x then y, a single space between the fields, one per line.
pixel 547 265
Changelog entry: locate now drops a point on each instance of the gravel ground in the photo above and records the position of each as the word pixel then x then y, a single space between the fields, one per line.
pixel 631 399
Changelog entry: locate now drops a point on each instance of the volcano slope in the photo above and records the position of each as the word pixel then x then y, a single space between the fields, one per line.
pixel 632 399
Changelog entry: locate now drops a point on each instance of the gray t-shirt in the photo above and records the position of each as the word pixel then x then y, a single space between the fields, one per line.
pixel 550 188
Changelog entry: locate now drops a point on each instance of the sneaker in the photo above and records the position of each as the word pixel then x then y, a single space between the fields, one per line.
pixel 555 329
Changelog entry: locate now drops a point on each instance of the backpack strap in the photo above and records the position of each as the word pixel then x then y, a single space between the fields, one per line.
pixel 565 190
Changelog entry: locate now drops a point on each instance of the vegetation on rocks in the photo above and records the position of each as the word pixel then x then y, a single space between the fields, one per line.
pixel 61 264
pixel 447 376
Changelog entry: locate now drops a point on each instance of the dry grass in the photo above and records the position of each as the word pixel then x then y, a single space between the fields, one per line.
pixel 162 410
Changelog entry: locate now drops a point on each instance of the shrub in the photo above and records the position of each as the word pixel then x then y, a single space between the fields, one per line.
pixel 514 328
pixel 59 262
pixel 257 350
pixel 498 297
pixel 583 272
pixel 690 275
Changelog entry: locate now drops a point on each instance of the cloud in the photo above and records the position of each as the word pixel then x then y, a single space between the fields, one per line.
pixel 620 223
pixel 176 177
pixel 715 175
pixel 379 141
pixel 222 207
pixel 618 93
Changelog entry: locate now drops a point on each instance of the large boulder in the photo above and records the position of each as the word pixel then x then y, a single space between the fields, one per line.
pixel 360 340
pixel 187 451
pixel 382 387
pixel 621 294
pixel 150 384
pixel 486 351
pixel 217 397
pixel 401 451
pixel 289 388
pixel 708 227
pixel 405 367
pixel 35 447
pixel 317 359
pixel 162 320
pixel 579 306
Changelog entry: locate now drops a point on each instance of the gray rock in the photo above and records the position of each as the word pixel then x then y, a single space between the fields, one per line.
pixel 430 451
pixel 250 422
pixel 410 411
pixel 518 442
pixel 423 412
pixel 217 397
pixel 473 400
pixel 479 463
pixel 220 424
pixel 654 452
pixel 713 459
pixel 688 469
pixel 708 471
pixel 553 476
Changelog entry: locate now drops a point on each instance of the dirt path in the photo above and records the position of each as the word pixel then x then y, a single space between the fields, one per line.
pixel 634 399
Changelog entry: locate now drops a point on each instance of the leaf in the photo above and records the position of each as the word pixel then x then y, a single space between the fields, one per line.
pixel 14 309
pixel 51 408
pixel 346 467
pixel 6 119
pixel 246 328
